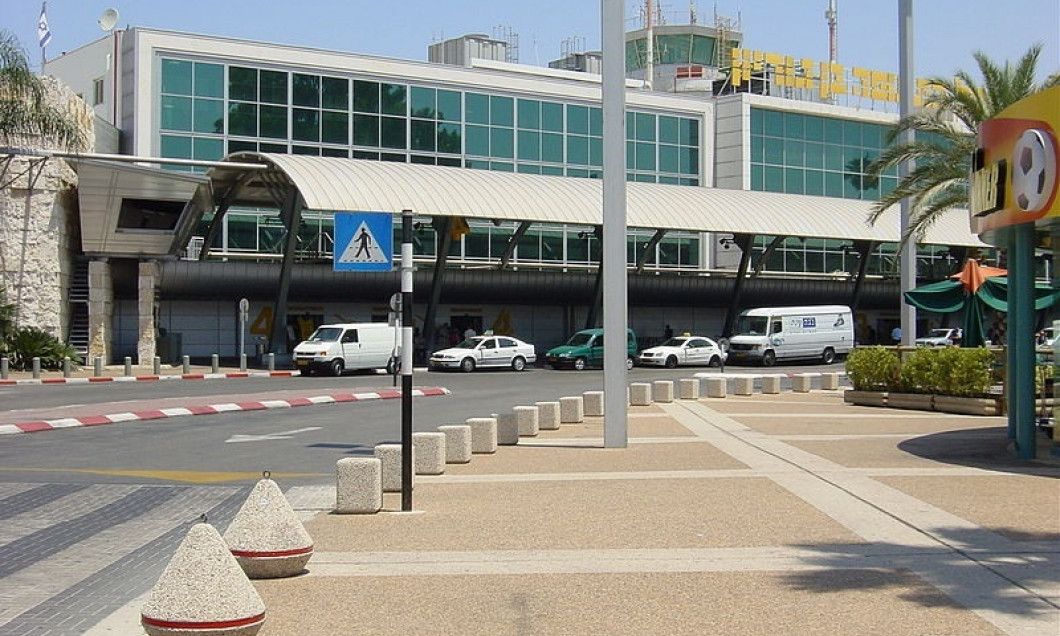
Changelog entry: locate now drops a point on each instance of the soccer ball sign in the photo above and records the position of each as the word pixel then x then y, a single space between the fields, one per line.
pixel 1033 170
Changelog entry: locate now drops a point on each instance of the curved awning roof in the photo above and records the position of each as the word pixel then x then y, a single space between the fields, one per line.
pixel 337 184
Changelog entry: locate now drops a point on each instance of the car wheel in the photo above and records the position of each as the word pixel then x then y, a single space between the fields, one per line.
pixel 336 367
pixel 629 364
pixel 518 363
pixel 828 357
pixel 715 361
pixel 671 362
pixel 769 359
pixel 579 364
pixel 467 365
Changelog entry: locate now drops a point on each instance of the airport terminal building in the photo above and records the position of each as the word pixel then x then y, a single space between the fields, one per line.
pixel 746 181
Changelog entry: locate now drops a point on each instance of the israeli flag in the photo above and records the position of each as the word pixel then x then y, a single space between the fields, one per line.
pixel 44 34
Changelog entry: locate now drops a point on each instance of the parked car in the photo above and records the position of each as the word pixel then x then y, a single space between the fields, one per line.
pixel 943 337
pixel 683 351
pixel 586 349
pixel 484 352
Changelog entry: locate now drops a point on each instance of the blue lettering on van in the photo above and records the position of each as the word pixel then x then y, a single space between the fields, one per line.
pixel 810 322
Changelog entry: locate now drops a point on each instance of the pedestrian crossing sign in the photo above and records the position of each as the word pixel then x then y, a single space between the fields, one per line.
pixel 364 241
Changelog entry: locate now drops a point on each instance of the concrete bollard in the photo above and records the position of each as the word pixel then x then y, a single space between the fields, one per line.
pixel 457 443
pixel 128 366
pixel 97 366
pixel 571 410
pixel 66 366
pixel 829 381
pixel 640 394
pixel 359 485
pixel 483 434
pixel 185 364
pixel 390 463
pixel 215 364
pixel 802 383
pixel 771 384
pixel 428 453
pixel 272 362
pixel 744 385
pixel 593 402
pixel 156 366
pixel 662 391
pixel 717 387
pixel 243 361
pixel 5 368
pixel 266 537
pixel 526 420
pixel 35 366
pixel 547 415
pixel 507 429
pixel 688 389
pixel 203 590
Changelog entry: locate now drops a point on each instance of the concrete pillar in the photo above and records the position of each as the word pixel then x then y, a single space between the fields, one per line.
pixel 688 389
pixel 147 285
pixel 100 309
pixel 593 401
pixel 640 394
pixel 770 384
pixel 662 391
pixel 744 385
pixel 717 387
pixel 547 415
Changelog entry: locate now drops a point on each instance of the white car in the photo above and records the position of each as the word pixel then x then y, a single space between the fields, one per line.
pixel 684 351
pixel 484 352
pixel 943 337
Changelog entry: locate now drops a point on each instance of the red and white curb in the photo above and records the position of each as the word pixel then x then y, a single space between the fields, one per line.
pixel 99 420
pixel 152 378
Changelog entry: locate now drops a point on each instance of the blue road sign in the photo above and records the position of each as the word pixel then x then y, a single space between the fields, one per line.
pixel 364 241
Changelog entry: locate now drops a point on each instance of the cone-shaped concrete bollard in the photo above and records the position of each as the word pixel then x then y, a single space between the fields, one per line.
pixel 203 591
pixel 266 537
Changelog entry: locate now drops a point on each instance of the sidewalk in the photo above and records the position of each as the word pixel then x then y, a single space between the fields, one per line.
pixel 117 373
pixel 790 513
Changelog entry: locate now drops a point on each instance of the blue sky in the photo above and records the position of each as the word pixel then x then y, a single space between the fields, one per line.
pixel 946 31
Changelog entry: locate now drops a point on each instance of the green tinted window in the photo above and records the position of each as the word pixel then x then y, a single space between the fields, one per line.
pixel 814 155
pixel 578 120
pixel 833 157
pixel 242 84
pixel 365 130
pixel 794 126
pixel 365 97
pixel 392 132
pixel 757 119
pixel 631 156
pixel 243 119
pixel 422 102
pixel 833 184
pixel 814 182
pixel 334 127
pixel 305 150
pixel 833 131
pixel 596 121
pixel 502 111
pixel 645 127
pixel 757 178
pixel 529 145
pixel 392 99
pixel 272 122
pixel 305 124
pixel 689 132
pixel 645 156
pixel 209 116
pixel 335 93
pixel 669 158
pixel 449 138
pixel 793 153
pixel 552 116
pixel 209 80
pixel 502 142
pixel 774 179
pixel 273 85
pixel 757 149
pixel 176 77
pixel 552 147
pixel 478 140
pixel 422 133
pixel 176 113
pixel 502 166
pixel 449 106
pixel 176 147
pixel 578 150
pixel 668 130
pixel 596 151
pixel 774 150
pixel 530 114
pixel 793 182
pixel 852 133
pixel 334 152
pixel 689 161
pixel 477 107
pixel 207 149
pixel 237 145
pixel 306 89
pixel 772 123
pixel 873 136
pixel 814 128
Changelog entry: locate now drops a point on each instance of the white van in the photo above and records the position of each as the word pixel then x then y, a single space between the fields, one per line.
pixel 336 348
pixel 768 334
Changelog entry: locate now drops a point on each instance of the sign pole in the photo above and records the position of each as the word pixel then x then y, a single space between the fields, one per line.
pixel 244 313
pixel 406 360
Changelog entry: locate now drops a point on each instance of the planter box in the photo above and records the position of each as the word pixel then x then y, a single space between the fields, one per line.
pixel 917 401
pixel 865 398
pixel 967 405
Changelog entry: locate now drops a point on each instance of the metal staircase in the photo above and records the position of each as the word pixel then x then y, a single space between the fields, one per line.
pixel 78 337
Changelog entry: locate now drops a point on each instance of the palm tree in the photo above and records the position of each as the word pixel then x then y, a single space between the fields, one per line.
pixel 946 137
pixel 25 110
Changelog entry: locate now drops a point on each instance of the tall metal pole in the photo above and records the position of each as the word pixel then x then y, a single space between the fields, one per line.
pixel 906 86
pixel 616 403
pixel 406 360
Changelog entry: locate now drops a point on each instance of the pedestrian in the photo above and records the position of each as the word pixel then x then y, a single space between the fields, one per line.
pixel 469 333
pixel 896 335
pixel 669 332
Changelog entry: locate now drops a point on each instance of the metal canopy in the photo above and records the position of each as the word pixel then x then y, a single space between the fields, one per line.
pixel 337 184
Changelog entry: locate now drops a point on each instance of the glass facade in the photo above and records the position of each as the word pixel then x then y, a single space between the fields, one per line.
pixel 209 110
pixel 796 153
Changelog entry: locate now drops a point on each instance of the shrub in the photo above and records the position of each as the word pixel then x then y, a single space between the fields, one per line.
pixel 920 371
pixel 873 368
pixel 27 343
pixel 965 372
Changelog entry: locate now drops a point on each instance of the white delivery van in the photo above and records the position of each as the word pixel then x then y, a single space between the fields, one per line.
pixel 768 334
pixel 336 348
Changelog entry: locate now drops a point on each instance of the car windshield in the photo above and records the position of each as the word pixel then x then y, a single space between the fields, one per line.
pixel 470 343
pixel 752 325
pixel 674 342
pixel 939 333
pixel 580 339
pixel 325 334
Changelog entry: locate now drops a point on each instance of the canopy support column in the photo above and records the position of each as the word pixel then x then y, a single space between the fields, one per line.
pixel 1020 340
pixel 442 226
pixel 864 249
pixel 744 242
pixel 292 218
pixel 649 248
pixel 513 242
pixel 592 318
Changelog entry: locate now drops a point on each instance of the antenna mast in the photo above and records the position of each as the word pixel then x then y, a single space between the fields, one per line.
pixel 831 16
pixel 649 64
